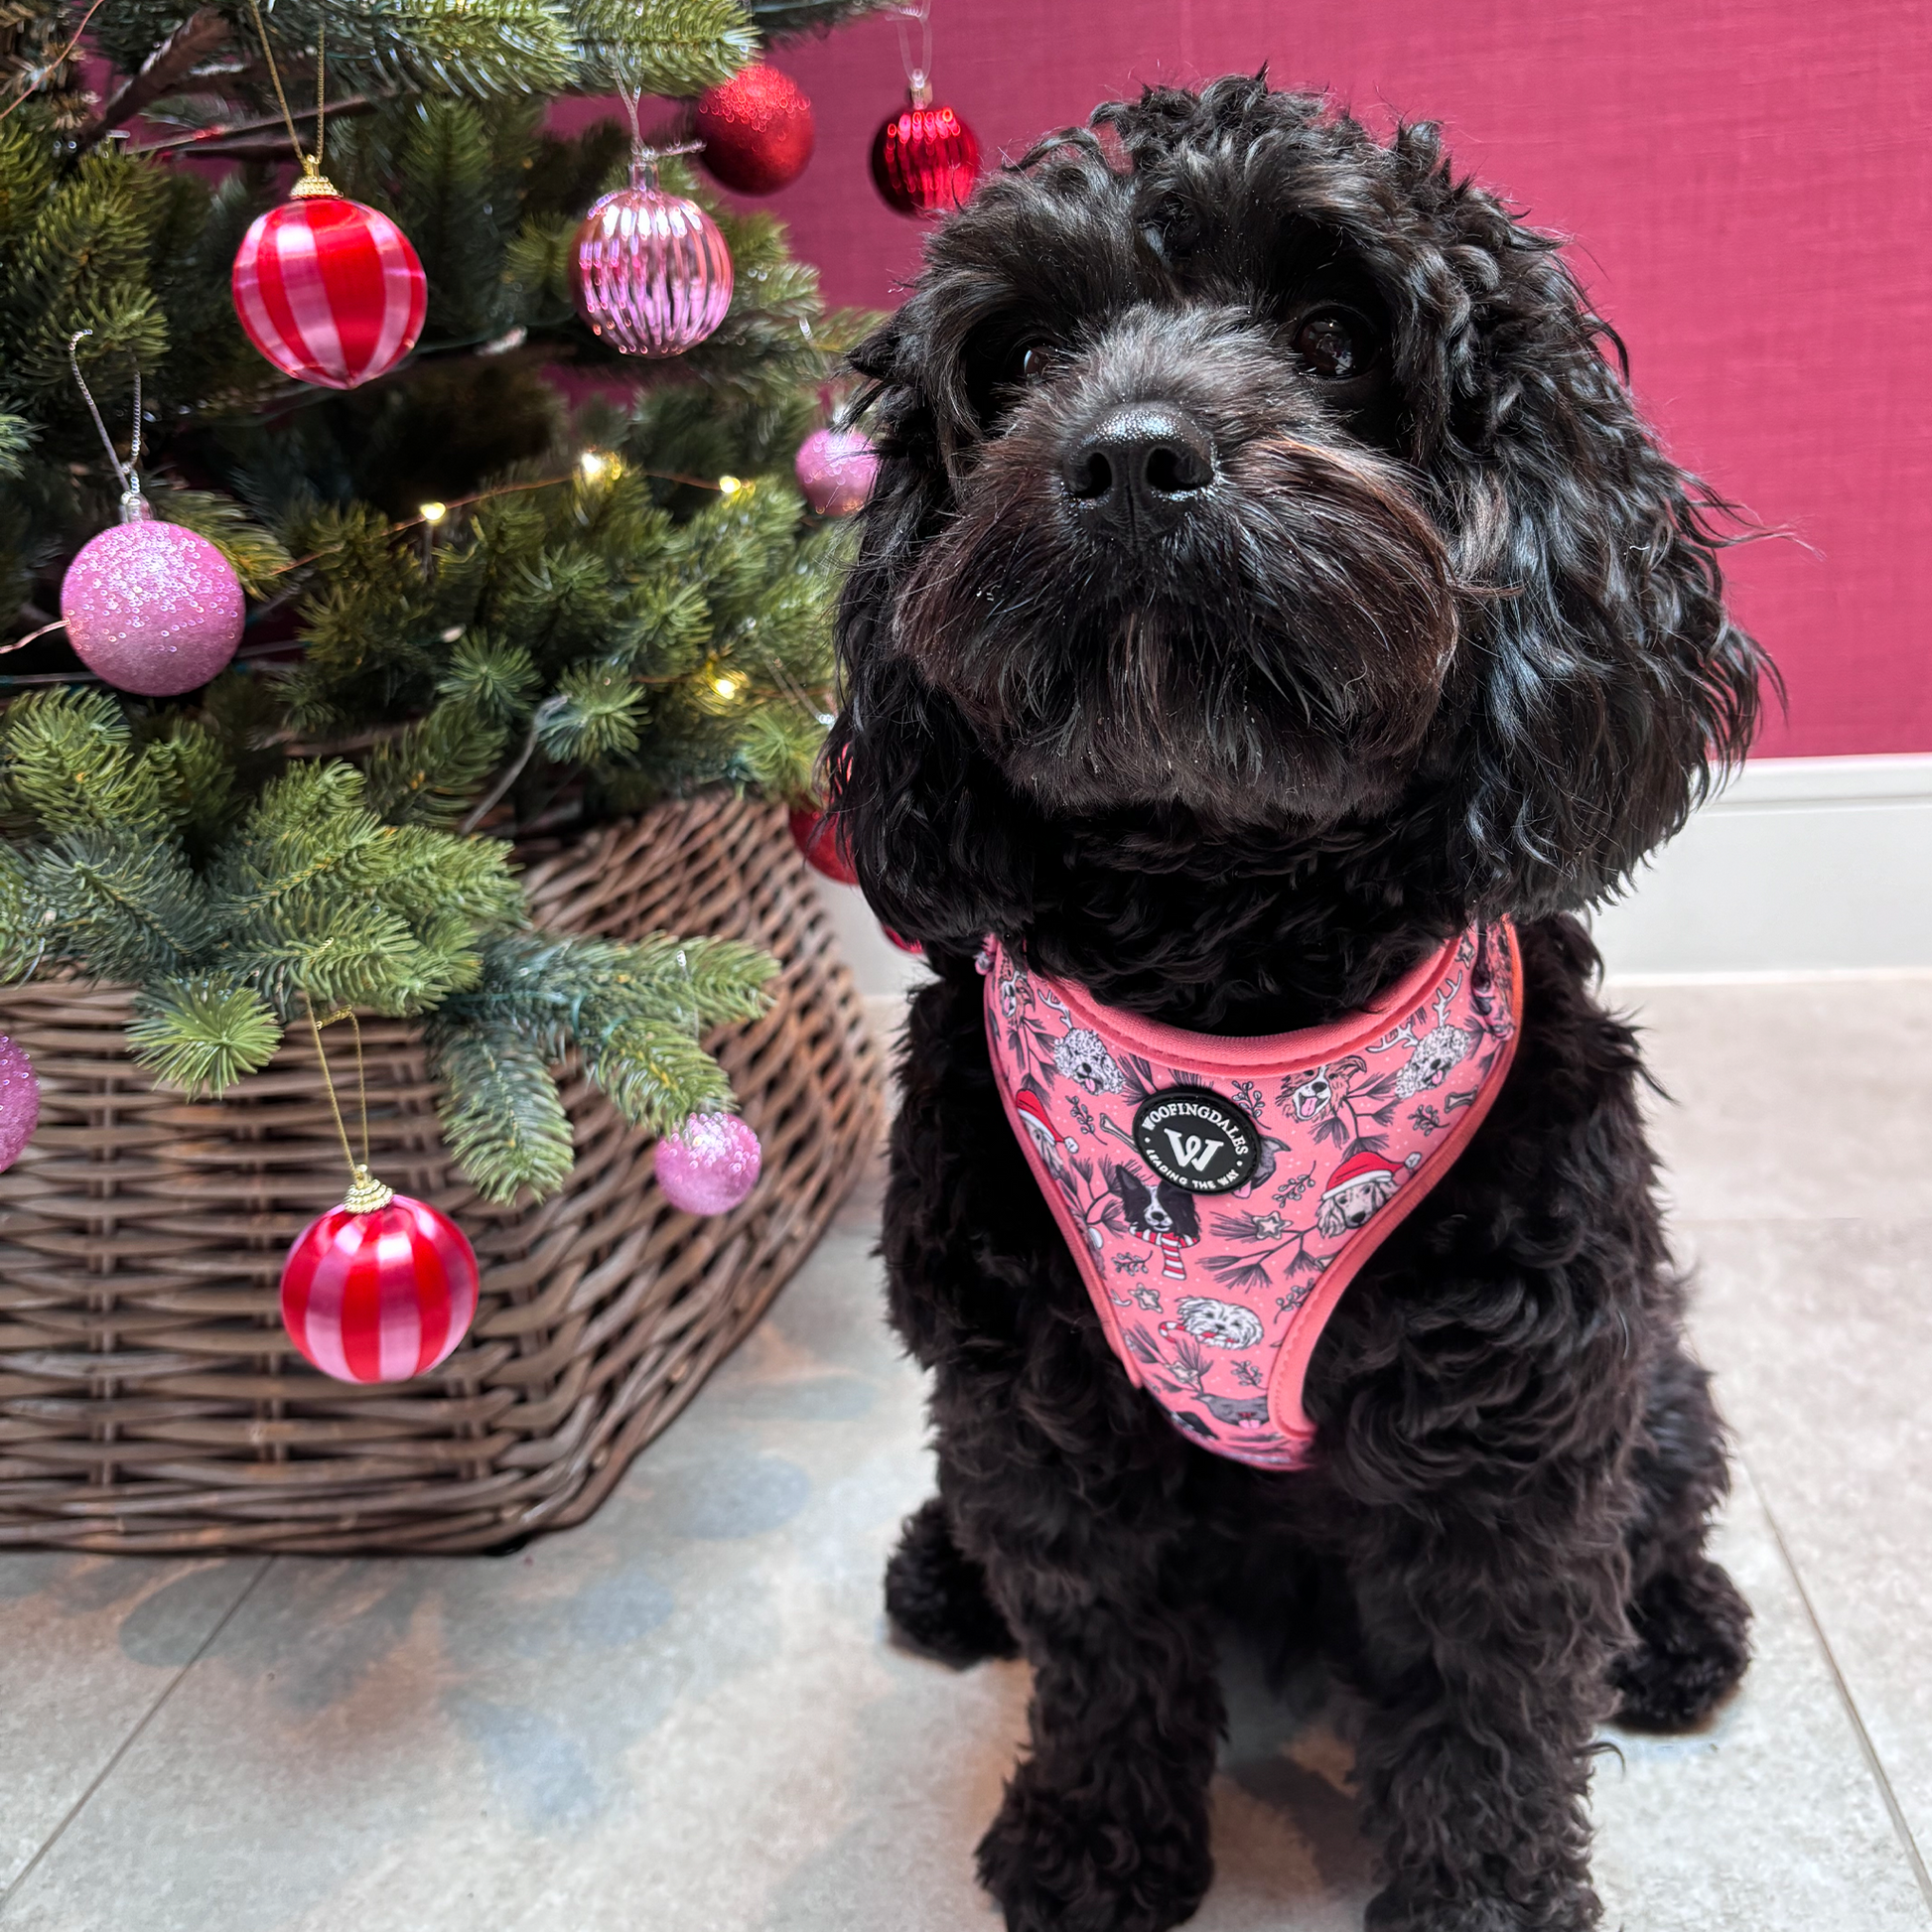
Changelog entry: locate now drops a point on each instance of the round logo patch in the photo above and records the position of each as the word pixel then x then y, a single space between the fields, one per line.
pixel 1195 1139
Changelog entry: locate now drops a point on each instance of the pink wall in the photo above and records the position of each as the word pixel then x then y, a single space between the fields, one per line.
pixel 1750 182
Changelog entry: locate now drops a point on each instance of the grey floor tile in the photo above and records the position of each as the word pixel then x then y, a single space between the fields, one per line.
pixel 1769 1820
pixel 685 1718
pixel 1819 1334
pixel 682 1715
pixel 92 1643
pixel 1787 1100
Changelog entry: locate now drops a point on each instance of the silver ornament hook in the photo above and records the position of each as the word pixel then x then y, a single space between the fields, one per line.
pixel 134 506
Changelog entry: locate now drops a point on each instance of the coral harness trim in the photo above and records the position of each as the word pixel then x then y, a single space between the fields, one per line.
pixel 1219 1194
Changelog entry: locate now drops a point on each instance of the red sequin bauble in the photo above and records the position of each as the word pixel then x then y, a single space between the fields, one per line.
pixel 756 130
pixel 329 290
pixel 381 1295
pixel 822 840
pixel 925 159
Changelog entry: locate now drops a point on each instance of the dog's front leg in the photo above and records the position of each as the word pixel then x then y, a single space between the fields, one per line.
pixel 1104 1827
pixel 1061 1485
pixel 1486 1636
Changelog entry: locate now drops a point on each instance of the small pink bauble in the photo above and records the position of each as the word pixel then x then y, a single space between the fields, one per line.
pixel 151 608
pixel 652 274
pixel 836 468
pixel 380 1288
pixel 20 1101
pixel 709 1164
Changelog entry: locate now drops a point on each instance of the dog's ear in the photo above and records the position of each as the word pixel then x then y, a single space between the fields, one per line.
pixel 877 356
pixel 1133 1196
pixel 1609 685
pixel 943 849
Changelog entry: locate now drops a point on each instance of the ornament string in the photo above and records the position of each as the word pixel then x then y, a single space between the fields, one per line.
pixel 918 78
pixel 311 181
pixel 365 1194
pixel 128 472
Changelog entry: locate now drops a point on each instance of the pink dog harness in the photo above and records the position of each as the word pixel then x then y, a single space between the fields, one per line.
pixel 1313 1146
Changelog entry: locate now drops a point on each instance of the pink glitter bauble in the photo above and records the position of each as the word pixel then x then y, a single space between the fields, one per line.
pixel 652 273
pixel 20 1102
pixel 709 1164
pixel 151 608
pixel 836 468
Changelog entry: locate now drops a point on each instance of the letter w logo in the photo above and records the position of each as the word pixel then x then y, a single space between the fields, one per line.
pixel 1193 1151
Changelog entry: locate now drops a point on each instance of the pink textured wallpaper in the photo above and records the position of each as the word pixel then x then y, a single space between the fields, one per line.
pixel 1749 186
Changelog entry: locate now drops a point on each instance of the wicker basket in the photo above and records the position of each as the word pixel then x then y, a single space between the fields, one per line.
pixel 149 1398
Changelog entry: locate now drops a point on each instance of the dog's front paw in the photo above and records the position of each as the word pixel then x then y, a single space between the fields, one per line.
pixel 937 1597
pixel 1059 1863
pixel 1693 1643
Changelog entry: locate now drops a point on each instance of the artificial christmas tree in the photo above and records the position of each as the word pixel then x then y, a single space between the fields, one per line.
pixel 500 597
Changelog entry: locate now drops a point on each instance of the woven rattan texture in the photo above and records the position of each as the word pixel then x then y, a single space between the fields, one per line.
pixel 149 1398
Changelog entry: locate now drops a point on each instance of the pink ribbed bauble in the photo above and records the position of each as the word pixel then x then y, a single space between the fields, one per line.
pixel 652 274
pixel 20 1101
pixel 756 130
pixel 151 608
pixel 836 468
pixel 709 1164
pixel 379 1293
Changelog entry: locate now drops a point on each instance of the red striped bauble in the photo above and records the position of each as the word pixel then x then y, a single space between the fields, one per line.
pixel 381 1293
pixel 329 290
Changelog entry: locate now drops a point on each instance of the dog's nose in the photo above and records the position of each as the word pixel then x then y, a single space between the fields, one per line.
pixel 1141 467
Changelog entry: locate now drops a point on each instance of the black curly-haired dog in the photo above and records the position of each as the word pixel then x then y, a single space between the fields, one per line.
pixel 1268 576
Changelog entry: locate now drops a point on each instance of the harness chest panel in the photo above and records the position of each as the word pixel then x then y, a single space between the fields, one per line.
pixel 1219 1194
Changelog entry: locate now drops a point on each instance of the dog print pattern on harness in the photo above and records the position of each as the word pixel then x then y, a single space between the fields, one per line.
pixel 1287 1161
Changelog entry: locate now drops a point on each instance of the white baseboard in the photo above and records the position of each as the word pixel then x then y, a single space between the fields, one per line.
pixel 1800 867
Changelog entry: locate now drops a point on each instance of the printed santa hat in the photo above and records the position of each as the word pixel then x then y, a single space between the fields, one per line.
pixel 1028 1106
pixel 1361 1167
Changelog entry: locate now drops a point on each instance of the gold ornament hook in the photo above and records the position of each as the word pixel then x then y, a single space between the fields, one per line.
pixel 367 1195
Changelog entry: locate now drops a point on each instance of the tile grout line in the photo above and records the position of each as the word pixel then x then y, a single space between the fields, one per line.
pixel 1873 1762
pixel 127 1744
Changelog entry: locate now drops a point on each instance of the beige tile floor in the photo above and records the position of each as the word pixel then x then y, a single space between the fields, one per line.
pixel 685 1716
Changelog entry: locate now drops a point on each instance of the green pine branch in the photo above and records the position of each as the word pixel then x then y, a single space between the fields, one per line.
pixel 597 623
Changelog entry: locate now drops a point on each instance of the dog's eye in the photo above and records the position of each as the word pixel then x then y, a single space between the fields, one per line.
pixel 1331 342
pixel 1031 362
pixel 997 368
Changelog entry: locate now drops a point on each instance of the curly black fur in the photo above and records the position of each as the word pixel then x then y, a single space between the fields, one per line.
pixel 1411 623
